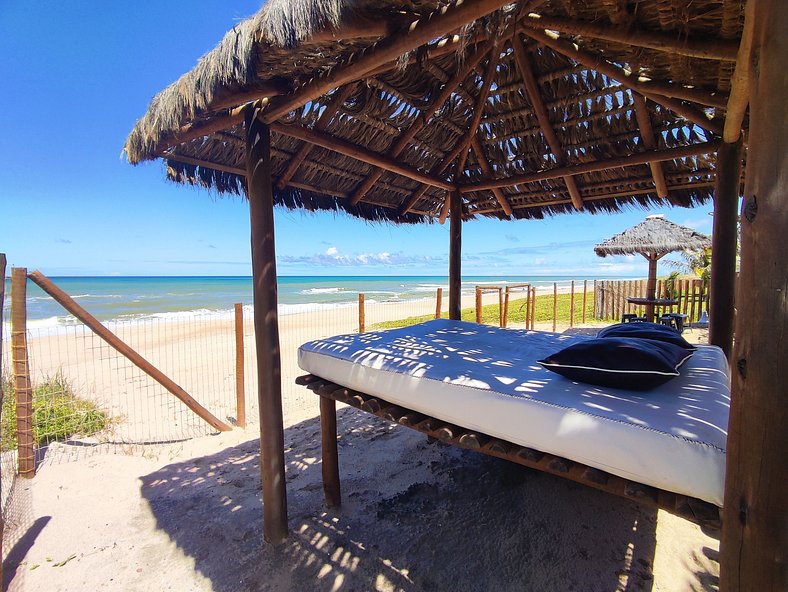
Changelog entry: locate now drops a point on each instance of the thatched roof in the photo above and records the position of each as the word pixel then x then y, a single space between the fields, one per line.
pixel 655 235
pixel 583 106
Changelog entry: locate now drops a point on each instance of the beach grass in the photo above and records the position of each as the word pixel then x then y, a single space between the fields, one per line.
pixel 58 413
pixel 543 312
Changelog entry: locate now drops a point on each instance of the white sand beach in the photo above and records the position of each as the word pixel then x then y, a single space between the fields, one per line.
pixel 186 516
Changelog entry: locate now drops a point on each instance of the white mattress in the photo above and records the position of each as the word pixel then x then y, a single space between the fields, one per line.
pixel 487 379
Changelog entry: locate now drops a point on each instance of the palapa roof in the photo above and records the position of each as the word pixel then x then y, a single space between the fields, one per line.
pixel 655 235
pixel 618 102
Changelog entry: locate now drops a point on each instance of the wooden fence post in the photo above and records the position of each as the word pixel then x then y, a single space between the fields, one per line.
pixel 361 311
pixel 500 307
pixel 505 318
pixel 26 462
pixel 478 304
pixel 585 298
pixel 240 394
pixel 438 303
pixel 2 395
pixel 572 304
pixel 593 301
pixel 533 307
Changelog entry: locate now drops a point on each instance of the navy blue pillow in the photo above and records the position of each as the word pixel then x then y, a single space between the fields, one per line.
pixel 619 362
pixel 647 331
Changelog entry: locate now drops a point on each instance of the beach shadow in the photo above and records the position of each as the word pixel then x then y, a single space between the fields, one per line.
pixel 16 555
pixel 416 516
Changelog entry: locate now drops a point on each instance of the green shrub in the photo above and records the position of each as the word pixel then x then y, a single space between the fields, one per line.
pixel 58 413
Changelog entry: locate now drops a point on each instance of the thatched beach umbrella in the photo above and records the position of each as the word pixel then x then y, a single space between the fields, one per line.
pixel 653 238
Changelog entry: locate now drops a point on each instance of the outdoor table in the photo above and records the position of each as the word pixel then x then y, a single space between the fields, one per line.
pixel 650 303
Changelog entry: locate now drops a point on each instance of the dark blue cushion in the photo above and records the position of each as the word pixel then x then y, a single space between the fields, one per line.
pixel 654 331
pixel 619 362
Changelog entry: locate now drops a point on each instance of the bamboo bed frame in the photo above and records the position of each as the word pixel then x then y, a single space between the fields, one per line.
pixel 695 510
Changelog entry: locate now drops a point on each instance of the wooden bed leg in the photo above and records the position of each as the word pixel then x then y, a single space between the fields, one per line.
pixel 328 435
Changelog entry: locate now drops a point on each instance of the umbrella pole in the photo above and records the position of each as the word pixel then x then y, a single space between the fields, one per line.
pixel 651 285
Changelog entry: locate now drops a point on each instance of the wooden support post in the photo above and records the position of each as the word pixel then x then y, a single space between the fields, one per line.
pixel 438 303
pixel 533 307
pixel 505 316
pixel 572 304
pixel 555 304
pixel 328 439
pixel 754 547
pixel 500 307
pixel 240 393
pixel 594 302
pixel 124 349
pixel 724 242
pixel 455 255
pixel 479 304
pixel 585 299
pixel 26 461
pixel 361 313
pixel 651 286
pixel 266 325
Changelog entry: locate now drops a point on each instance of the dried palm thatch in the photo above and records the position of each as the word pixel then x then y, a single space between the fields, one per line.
pixel 623 108
pixel 654 236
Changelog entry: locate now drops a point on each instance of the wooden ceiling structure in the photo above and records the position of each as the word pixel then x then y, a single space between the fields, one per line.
pixel 420 110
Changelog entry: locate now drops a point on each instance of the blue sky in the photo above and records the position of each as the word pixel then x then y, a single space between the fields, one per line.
pixel 78 75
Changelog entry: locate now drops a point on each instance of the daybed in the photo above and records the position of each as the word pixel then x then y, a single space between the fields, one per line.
pixel 480 387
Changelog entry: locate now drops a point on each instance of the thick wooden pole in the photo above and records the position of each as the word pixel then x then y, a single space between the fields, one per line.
pixel 240 393
pixel 724 241
pixel 328 440
pixel 266 326
pixel 124 349
pixel 438 303
pixel 651 286
pixel 479 304
pixel 26 462
pixel 754 548
pixel 455 256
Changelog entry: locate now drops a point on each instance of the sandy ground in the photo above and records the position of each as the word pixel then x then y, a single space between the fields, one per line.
pixel 416 516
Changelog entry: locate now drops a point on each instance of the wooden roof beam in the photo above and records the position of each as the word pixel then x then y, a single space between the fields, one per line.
pixel 422 120
pixel 598 165
pixel 740 81
pixel 339 98
pixel 532 91
pixel 359 153
pixel 709 49
pixel 647 136
pixel 487 170
pixel 628 80
pixel 389 49
pixel 461 148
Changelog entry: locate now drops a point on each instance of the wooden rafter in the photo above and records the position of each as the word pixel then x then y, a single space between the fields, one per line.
pixel 339 98
pixel 626 79
pixel 647 136
pixel 535 98
pixel 598 165
pixel 740 92
pixel 484 164
pixel 462 145
pixel 359 153
pixel 710 49
pixel 422 120
pixel 387 50
pixel 609 195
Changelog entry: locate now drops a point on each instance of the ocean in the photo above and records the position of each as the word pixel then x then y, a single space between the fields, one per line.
pixel 133 298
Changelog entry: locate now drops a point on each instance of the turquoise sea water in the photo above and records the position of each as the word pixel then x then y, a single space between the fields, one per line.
pixel 129 298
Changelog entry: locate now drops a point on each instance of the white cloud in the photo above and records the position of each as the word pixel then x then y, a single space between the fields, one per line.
pixel 331 251
pixel 540 261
